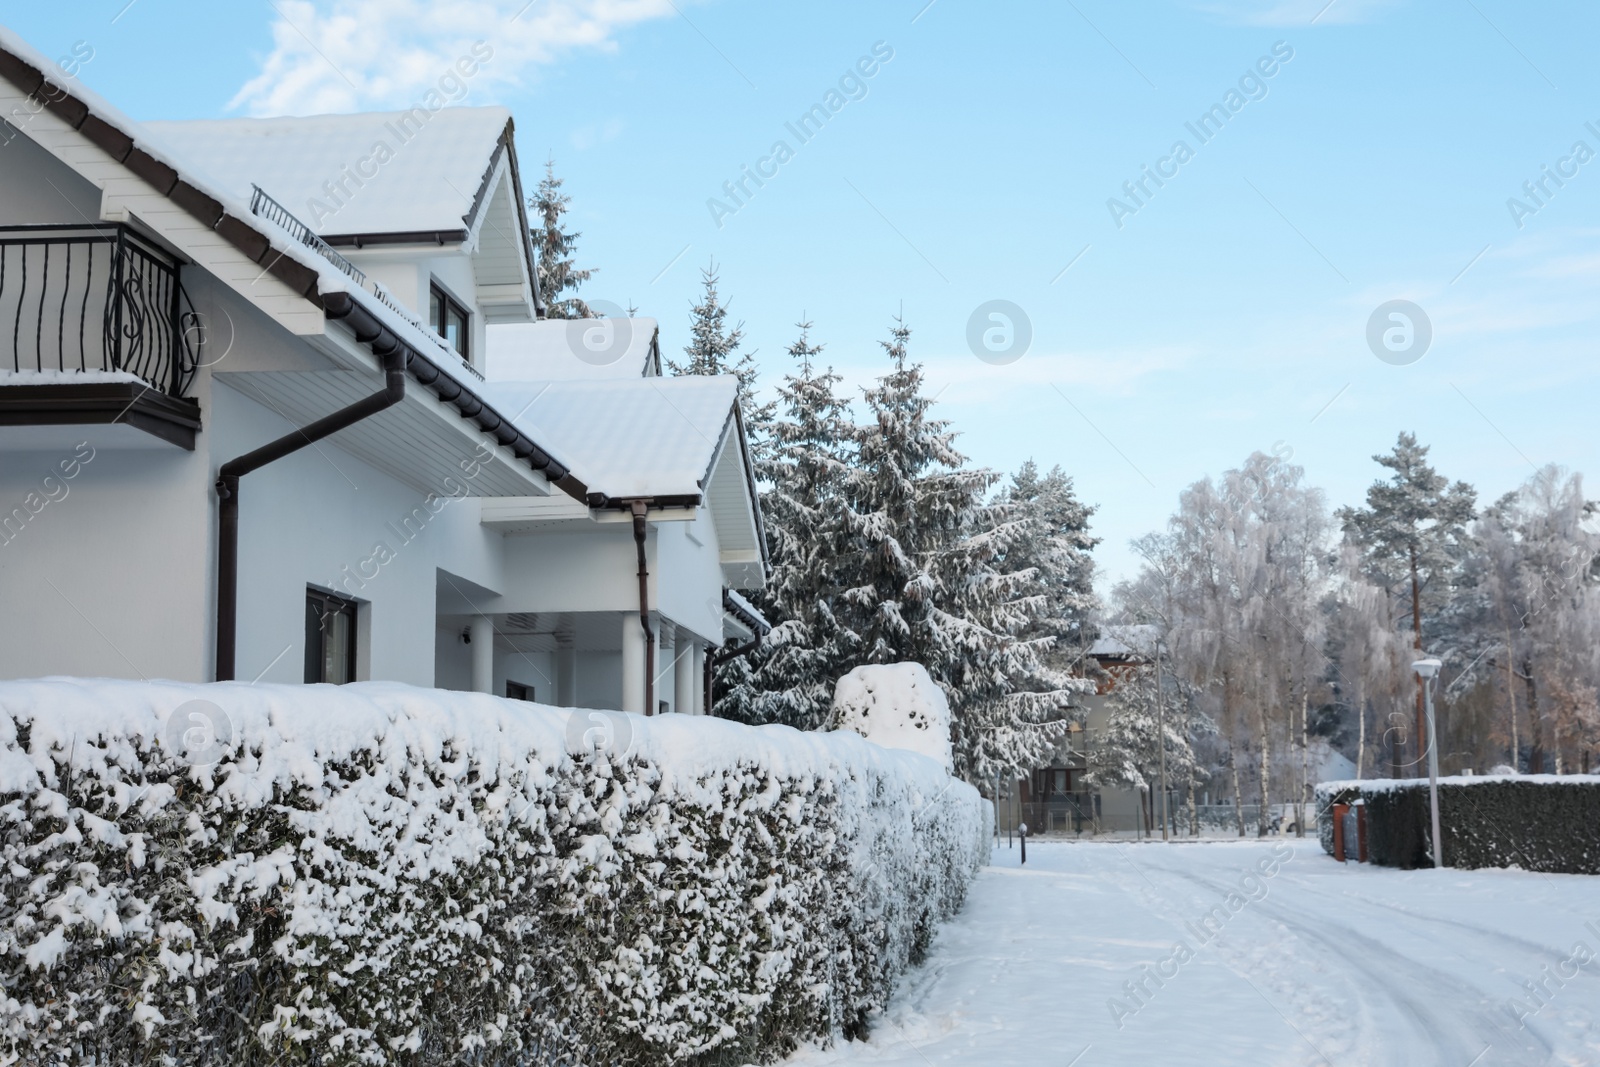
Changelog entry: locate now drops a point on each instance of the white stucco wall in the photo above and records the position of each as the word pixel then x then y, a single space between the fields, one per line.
pixel 688 587
pixel 110 577
pixel 37 189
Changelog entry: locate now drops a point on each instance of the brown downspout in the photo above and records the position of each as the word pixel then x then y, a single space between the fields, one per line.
pixel 640 509
pixel 394 357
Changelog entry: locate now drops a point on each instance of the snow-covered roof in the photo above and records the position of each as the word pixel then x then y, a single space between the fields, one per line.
pixel 563 349
pixel 628 438
pixel 745 612
pixel 430 180
pixel 1125 641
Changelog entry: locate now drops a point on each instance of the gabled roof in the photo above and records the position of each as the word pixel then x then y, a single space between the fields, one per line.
pixel 564 349
pixel 676 442
pixel 446 177
pixel 630 439
pixel 430 181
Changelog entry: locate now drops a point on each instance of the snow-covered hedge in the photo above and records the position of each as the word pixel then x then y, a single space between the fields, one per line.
pixel 381 874
pixel 1540 822
pixel 896 705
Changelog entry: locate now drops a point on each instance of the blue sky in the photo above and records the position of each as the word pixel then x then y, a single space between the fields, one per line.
pixel 1227 313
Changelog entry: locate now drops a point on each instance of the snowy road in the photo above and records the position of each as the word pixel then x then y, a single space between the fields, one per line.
pixel 1314 962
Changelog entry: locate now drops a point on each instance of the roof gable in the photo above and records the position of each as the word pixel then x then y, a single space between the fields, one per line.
pixel 381 172
pixel 568 349
pixel 629 439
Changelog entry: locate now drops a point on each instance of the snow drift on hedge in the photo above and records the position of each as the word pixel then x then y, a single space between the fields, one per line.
pixel 896 705
pixel 374 872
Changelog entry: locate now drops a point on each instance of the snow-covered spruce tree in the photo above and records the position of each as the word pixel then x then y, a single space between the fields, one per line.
pixel 1413 536
pixel 556 248
pixel 713 348
pixel 1055 542
pixel 790 678
pixel 1128 751
pixel 922 579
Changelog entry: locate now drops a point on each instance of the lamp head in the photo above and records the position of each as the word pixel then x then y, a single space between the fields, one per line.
pixel 1426 668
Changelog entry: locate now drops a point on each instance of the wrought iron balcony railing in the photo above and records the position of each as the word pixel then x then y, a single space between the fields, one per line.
pixel 77 299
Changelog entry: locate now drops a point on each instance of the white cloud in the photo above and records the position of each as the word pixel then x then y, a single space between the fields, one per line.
pixel 347 55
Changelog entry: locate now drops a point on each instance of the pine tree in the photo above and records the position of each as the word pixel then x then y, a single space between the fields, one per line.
pixel 1056 544
pixel 790 678
pixel 923 583
pixel 556 248
pixel 713 348
pixel 1413 532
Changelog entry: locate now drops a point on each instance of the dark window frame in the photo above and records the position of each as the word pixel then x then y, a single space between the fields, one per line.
pixel 448 303
pixel 519 691
pixel 325 606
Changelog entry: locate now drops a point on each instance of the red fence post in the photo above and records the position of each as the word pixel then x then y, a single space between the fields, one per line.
pixel 1338 831
pixel 1361 832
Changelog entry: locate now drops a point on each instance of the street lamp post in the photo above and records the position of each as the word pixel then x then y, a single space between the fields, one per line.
pixel 1428 670
pixel 1161 736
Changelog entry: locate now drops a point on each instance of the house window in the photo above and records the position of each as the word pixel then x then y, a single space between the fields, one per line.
pixel 518 691
pixel 330 638
pixel 449 319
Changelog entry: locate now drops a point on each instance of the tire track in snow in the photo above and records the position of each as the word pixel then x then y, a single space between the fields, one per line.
pixel 1402 979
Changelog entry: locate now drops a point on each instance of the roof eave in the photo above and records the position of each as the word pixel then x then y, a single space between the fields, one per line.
pixel 249 240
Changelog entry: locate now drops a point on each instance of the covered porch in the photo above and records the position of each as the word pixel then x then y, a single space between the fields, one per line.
pixel 584 659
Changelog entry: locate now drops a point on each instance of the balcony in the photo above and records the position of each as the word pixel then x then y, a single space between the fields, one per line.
pixel 95 329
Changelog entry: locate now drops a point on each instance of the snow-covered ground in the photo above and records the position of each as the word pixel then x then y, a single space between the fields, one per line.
pixel 1315 963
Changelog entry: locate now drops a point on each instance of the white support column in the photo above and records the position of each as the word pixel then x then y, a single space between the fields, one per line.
pixel 567 675
pixel 685 679
pixel 655 689
pixel 697 671
pixel 482 631
pixel 665 667
pixel 632 664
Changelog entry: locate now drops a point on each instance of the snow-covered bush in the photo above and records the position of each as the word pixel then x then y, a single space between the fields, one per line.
pixel 1539 822
pixel 896 705
pixel 380 874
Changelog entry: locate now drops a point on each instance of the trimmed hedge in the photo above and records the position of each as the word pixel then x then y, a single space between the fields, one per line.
pixel 1538 822
pixel 377 874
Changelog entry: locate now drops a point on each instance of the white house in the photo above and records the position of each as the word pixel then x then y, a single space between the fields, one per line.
pixel 247 428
